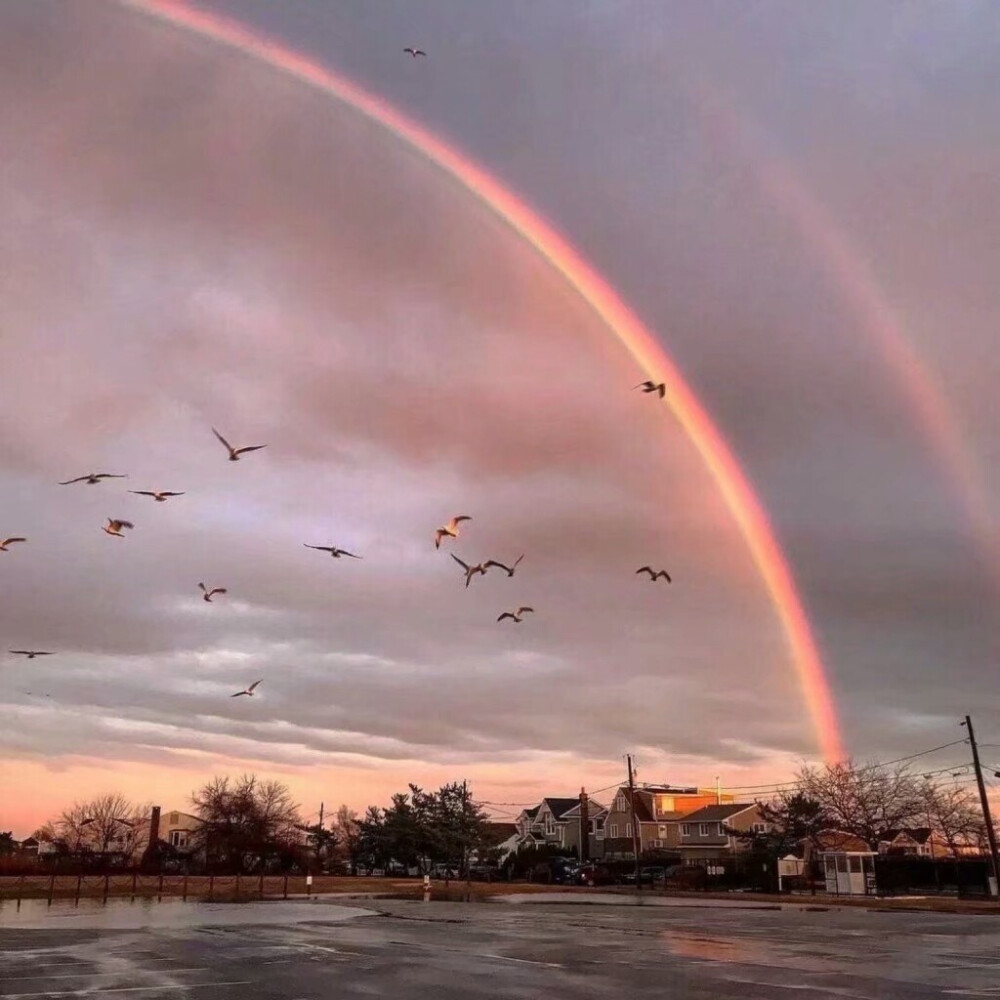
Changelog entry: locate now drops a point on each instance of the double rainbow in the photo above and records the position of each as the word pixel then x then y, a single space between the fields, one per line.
pixel 739 496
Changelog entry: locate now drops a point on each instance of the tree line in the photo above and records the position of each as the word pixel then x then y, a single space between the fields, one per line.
pixel 249 825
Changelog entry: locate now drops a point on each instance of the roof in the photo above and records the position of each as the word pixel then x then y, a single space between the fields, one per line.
pixel 717 814
pixel 919 835
pixel 643 813
pixel 594 809
pixel 838 840
pixel 561 806
pixel 532 812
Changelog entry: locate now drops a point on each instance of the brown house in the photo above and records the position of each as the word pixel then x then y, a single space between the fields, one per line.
pixel 713 833
pixel 658 808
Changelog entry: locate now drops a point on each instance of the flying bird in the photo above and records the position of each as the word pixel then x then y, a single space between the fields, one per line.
pixel 158 495
pixel 654 575
pixel 449 530
pixel 114 527
pixel 414 52
pixel 248 692
pixel 509 570
pixel 650 386
pixel 516 616
pixel 29 653
pixel 234 453
pixel 207 594
pixel 9 541
pixel 470 571
pixel 332 549
pixel 93 478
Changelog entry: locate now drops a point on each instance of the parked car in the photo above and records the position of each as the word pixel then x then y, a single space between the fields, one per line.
pixel 595 875
pixel 443 871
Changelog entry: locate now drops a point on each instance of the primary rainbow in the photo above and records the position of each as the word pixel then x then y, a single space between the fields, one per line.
pixel 739 496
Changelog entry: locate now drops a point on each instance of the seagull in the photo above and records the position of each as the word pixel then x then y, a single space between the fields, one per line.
pixel 93 478
pixel 654 576
pixel 234 453
pixel 449 530
pixel 414 52
pixel 248 692
pixel 114 527
pixel 509 570
pixel 516 616
pixel 207 594
pixel 158 495
pixel 650 386
pixel 333 550
pixel 4 542
pixel 470 571
pixel 29 653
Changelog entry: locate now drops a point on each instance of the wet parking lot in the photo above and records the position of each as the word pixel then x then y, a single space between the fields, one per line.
pixel 409 949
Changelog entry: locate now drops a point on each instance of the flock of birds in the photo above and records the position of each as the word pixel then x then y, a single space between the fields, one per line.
pixel 116 526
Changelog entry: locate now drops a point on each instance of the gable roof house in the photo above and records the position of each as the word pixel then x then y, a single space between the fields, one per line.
pixel 573 833
pixel 657 810
pixel 712 833
pixel 921 842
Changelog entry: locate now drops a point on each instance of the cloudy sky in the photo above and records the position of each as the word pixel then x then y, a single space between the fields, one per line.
pixel 803 203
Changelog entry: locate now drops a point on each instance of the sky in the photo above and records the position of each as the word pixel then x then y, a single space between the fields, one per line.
pixel 801 202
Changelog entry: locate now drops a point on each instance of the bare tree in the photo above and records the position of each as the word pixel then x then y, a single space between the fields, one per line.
pixel 347 829
pixel 864 799
pixel 953 812
pixel 109 826
pixel 247 824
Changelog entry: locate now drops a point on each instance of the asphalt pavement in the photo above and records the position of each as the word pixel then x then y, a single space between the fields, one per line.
pixel 408 949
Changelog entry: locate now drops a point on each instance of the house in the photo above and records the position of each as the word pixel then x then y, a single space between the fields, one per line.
pixel 658 808
pixel 34 848
pixel 920 842
pixel 712 833
pixel 573 834
pixel 178 829
pixel 553 821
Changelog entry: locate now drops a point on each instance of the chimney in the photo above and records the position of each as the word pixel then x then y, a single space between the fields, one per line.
pixel 151 856
pixel 584 826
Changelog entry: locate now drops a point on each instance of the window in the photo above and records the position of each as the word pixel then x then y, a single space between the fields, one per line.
pixel 628 829
pixel 620 804
pixel 657 843
pixel 718 829
pixel 661 830
pixel 550 827
pixel 704 829
pixel 613 830
pixel 600 832
pixel 174 819
pixel 685 829
pixel 178 838
pixel 760 828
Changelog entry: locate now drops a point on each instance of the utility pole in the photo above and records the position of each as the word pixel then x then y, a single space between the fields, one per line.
pixel 635 826
pixel 991 834
pixel 321 815
pixel 584 827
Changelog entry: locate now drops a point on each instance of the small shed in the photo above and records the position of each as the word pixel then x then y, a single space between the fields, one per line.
pixel 850 873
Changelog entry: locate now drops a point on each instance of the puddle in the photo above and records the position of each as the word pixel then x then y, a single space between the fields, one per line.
pixel 739 950
pixel 89 914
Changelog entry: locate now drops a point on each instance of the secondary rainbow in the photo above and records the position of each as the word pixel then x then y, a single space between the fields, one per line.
pixel 739 496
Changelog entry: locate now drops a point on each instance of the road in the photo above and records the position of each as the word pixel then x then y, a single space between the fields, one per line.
pixel 409 949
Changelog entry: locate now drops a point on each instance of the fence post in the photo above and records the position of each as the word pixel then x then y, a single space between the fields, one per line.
pixel 261 885
pixel 184 889
pixel 237 885
pixel 20 888
pixel 79 882
pixel 52 886
pixel 211 887
pixel 107 880
pixel 286 886
pixel 133 882
pixel 159 890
